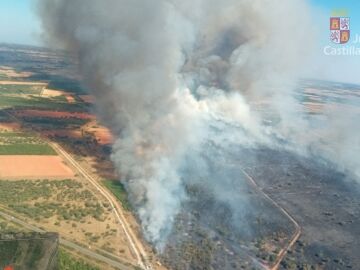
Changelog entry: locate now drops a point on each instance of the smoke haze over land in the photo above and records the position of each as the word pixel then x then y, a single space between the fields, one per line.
pixel 171 77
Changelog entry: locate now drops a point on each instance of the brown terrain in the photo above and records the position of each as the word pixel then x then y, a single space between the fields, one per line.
pixel 82 148
pixel 101 133
pixel 33 167
pixel 21 83
pixel 57 93
pixel 289 210
pixel 9 126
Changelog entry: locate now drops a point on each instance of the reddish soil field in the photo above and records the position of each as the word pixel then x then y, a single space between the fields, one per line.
pixel 34 167
pixel 54 114
pixel 101 133
pixel 9 126
pixel 70 99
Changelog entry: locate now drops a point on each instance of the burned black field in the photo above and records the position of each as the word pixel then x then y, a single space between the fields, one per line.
pixel 233 215
pixel 323 200
pixel 325 203
pixel 290 211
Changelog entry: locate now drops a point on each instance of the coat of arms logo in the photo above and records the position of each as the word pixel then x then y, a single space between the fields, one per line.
pixel 340 29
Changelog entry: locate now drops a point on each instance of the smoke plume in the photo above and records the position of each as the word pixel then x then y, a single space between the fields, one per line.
pixel 172 76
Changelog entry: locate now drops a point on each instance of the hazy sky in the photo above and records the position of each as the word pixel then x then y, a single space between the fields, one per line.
pixel 20 25
pixel 336 68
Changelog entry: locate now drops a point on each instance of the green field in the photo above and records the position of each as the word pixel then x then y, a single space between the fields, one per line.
pixel 68 262
pixel 20 89
pixel 7 227
pixel 3 77
pixel 119 191
pixel 37 102
pixel 13 143
pixel 27 149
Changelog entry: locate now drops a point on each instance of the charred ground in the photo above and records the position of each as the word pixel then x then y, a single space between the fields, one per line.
pixel 324 201
pixel 208 234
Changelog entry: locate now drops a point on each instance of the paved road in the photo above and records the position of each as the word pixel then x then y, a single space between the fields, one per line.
pixel 137 247
pixel 135 244
pixel 69 244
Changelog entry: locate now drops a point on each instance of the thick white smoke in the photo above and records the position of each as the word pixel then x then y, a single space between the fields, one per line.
pixel 166 72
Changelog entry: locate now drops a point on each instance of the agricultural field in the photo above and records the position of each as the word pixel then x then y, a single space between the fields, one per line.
pixel 15 143
pixel 67 206
pixel 38 102
pixel 28 250
pixel 33 167
pixel 35 199
pixel 21 89
pixel 10 73
pixel 32 154
pixel 26 149
pixel 41 107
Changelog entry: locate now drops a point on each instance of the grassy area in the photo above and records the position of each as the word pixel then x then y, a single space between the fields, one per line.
pixel 68 262
pixel 27 149
pixel 119 191
pixel 15 135
pixel 41 199
pixel 60 98
pixel 20 89
pixel 36 102
pixel 16 143
pixel 7 227
pixel 3 77
pixel 19 138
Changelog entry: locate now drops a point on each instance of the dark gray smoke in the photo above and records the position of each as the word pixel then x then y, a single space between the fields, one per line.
pixel 169 76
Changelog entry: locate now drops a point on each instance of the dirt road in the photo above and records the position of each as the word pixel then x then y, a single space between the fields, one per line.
pixel 297 232
pixel 135 244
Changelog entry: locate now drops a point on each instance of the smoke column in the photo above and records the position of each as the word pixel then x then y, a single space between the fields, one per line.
pixel 167 73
